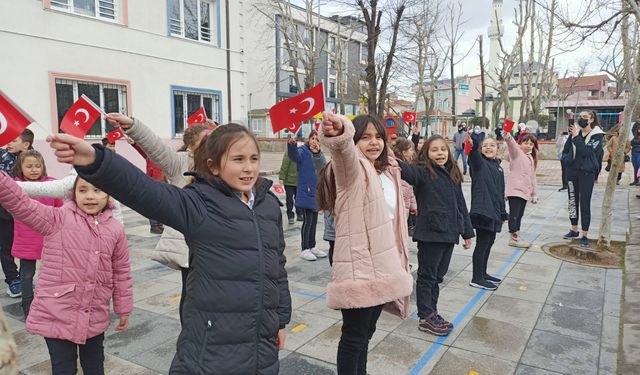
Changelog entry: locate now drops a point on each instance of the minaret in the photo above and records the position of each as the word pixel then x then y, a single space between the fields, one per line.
pixel 496 30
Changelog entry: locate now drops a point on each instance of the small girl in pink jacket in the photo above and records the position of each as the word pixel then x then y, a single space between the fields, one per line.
pixel 370 269
pixel 521 183
pixel 85 264
pixel 27 244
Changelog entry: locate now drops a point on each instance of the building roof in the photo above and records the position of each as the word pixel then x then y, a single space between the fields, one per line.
pixel 576 84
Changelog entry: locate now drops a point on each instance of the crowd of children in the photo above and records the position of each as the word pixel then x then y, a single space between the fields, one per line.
pixel 235 300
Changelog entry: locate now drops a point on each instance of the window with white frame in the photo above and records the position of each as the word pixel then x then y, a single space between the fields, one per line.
pixel 102 9
pixel 257 125
pixel 110 97
pixel 332 43
pixel 192 19
pixel 186 103
pixel 364 51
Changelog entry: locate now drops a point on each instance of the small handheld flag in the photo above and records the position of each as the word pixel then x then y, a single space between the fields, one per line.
pixel 198 117
pixel 115 135
pixel 13 120
pixel 80 117
pixel 289 113
pixel 508 125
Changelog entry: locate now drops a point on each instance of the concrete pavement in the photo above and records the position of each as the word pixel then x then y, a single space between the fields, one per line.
pixel 547 317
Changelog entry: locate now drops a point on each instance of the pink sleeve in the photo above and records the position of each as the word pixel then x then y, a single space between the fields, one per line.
pixel 122 283
pixel 414 204
pixel 344 157
pixel 37 216
pixel 512 147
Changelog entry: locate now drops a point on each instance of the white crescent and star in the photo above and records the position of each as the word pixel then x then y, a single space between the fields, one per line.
pixel 3 124
pixel 411 118
pixel 200 118
pixel 311 102
pixel 84 112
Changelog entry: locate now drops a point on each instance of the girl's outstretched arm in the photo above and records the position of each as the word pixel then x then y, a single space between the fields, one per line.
pixel 413 174
pixel 337 134
pixel 37 216
pixel 156 150
pixel 512 147
pixel 122 282
pixel 475 157
pixel 181 209
pixel 50 189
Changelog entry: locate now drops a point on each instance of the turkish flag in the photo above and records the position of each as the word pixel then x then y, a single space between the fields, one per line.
pixel 13 120
pixel 508 125
pixel 408 117
pixel 316 125
pixel 278 189
pixel 289 113
pixel 115 135
pixel 468 144
pixel 80 117
pixel 199 117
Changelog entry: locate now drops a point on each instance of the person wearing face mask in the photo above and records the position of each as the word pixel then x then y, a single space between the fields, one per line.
pixel 458 146
pixel 583 153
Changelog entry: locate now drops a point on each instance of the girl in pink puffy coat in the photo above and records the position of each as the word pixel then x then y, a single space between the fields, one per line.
pixel 27 244
pixel 404 150
pixel 85 264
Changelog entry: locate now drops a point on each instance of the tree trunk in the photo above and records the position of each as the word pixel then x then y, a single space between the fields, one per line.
pixel 482 84
pixel 453 89
pixel 631 105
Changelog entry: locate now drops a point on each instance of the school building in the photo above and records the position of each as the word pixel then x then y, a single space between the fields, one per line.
pixel 157 60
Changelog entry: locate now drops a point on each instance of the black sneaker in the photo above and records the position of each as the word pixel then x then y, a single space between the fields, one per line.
pixel 571 235
pixel 433 327
pixel 584 242
pixel 492 279
pixel 483 284
pixel 562 189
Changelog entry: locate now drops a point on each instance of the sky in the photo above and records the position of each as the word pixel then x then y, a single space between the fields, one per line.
pixel 477 14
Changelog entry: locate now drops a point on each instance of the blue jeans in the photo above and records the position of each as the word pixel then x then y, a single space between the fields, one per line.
pixel 635 160
pixel 458 153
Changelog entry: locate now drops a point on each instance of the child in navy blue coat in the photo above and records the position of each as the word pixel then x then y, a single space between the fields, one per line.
pixel 487 205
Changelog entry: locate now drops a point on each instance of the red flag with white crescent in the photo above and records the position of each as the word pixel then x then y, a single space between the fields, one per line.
pixel 408 117
pixel 80 117
pixel 115 135
pixel 13 120
pixel 198 117
pixel 508 125
pixel 289 113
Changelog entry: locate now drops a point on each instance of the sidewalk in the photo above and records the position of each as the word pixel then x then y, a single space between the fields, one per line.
pixel 630 358
pixel 547 317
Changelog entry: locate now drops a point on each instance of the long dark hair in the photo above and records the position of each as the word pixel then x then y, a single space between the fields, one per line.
pixel 360 123
pixel 430 165
pixel 402 145
pixel 534 152
pixel 326 196
pixel 215 146
pixel 190 136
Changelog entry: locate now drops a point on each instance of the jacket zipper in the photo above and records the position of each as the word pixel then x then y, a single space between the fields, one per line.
pixel 261 270
pixel 204 342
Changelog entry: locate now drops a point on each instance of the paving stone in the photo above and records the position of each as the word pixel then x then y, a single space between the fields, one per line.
pixel 494 338
pixel 14 325
pixel 296 364
pixel 523 289
pixel 112 366
pixel 631 344
pixel 578 298
pixel 409 327
pixel 398 354
pixel 528 370
pixel 539 259
pixel 612 304
pixel 388 322
pixel 458 361
pixel 613 281
pixel 319 307
pixel 586 324
pixel 452 299
pixel 151 288
pixel 533 272
pixel 607 365
pixel 629 370
pixel 313 325
pixel 564 354
pixel 518 312
pixel 632 298
pixel 158 358
pixel 576 276
pixel 146 330
pixel 610 330
pixel 32 349
pixel 14 310
pixel 154 270
pixel 494 267
pixel 162 303
pixel 325 346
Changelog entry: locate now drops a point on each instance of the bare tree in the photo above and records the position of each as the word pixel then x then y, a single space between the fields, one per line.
pixel 453 35
pixel 372 13
pixel 631 58
pixel 298 27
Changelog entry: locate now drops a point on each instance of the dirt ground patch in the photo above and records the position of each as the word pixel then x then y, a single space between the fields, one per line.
pixel 594 256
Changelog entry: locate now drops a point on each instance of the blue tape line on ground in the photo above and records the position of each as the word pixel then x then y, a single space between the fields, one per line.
pixel 314 296
pixel 433 349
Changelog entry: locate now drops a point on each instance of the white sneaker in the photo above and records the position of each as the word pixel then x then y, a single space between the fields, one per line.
pixel 519 242
pixel 318 253
pixel 308 255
